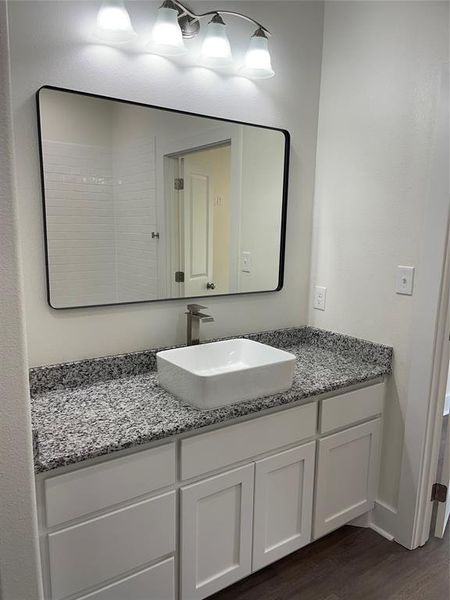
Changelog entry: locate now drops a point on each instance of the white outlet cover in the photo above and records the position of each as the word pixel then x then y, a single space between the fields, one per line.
pixel 320 297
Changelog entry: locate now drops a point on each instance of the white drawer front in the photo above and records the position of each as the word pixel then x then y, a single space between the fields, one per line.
pixel 89 554
pixel 346 409
pixel 216 449
pixel 94 488
pixel 154 583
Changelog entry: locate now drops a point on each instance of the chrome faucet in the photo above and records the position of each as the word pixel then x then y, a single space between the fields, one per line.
pixel 194 316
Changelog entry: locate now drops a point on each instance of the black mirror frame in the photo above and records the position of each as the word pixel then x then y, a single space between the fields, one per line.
pixel 287 139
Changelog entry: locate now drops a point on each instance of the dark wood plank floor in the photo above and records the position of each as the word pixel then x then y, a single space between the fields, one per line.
pixel 351 564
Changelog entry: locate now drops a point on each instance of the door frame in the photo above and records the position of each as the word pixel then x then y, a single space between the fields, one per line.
pixel 438 394
pixel 165 169
pixel 424 415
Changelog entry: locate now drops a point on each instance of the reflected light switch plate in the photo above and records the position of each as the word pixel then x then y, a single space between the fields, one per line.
pixel 246 263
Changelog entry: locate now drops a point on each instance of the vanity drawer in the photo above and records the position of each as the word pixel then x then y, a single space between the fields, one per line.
pixel 220 448
pixel 90 489
pixel 93 552
pixel 157 582
pixel 341 411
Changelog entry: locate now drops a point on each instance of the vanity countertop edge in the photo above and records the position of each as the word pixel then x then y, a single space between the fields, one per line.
pixel 95 407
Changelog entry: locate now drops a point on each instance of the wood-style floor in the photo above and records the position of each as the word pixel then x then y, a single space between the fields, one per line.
pixel 351 564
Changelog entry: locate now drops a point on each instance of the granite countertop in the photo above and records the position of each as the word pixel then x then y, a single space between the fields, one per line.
pixel 90 408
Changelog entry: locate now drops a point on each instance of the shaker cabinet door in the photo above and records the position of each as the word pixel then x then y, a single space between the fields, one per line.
pixel 216 532
pixel 347 476
pixel 284 486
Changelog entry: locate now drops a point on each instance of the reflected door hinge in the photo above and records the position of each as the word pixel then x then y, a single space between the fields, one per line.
pixel 179 276
pixel 439 492
pixel 179 183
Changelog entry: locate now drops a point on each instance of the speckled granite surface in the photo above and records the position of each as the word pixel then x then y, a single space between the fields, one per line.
pixel 90 408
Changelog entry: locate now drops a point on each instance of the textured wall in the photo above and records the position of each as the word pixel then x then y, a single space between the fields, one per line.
pixel 379 88
pixel 51 44
pixel 19 578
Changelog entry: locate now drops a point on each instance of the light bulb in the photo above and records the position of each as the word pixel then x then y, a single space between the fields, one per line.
pixel 167 38
pixel 216 49
pixel 113 23
pixel 257 63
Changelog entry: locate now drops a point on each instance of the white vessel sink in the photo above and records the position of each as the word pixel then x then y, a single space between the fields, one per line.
pixel 212 375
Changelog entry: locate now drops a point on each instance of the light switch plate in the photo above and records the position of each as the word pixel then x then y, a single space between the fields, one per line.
pixel 320 297
pixel 246 262
pixel 405 280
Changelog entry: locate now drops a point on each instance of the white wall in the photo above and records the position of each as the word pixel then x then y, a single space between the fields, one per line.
pixel 50 45
pixel 19 562
pixel 380 81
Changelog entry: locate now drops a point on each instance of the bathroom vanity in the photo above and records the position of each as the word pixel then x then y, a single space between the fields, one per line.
pixel 141 496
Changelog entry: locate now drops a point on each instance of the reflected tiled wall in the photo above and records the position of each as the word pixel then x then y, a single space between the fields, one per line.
pixel 80 221
pixel 135 219
pixel 100 214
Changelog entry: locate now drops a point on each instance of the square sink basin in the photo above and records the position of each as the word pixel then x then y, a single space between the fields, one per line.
pixel 220 373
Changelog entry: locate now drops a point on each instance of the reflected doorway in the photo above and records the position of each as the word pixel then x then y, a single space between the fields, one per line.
pixel 198 187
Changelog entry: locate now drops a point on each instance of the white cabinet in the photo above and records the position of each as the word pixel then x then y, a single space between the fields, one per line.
pixel 347 476
pixel 112 530
pixel 216 532
pixel 284 486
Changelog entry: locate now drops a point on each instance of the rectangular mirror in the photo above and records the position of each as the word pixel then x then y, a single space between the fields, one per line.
pixel 144 203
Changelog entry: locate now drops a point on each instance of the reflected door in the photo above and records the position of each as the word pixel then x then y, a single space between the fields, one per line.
pixel 197 205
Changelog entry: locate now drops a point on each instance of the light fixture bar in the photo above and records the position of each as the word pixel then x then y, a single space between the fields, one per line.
pixel 187 18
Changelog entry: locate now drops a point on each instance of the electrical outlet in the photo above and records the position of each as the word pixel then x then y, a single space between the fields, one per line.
pixel 405 280
pixel 246 262
pixel 320 297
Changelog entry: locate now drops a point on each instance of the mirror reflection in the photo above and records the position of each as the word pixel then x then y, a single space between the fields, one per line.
pixel 144 203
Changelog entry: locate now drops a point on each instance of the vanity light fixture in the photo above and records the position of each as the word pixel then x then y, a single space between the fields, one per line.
pixel 113 23
pixel 257 60
pixel 175 22
pixel 167 38
pixel 216 49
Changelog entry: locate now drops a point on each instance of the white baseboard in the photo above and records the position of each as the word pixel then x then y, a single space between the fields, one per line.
pixel 363 521
pixel 384 519
pixel 367 520
pixel 382 532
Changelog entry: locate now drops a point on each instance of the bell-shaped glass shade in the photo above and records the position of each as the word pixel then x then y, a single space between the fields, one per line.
pixel 216 49
pixel 113 23
pixel 257 63
pixel 167 38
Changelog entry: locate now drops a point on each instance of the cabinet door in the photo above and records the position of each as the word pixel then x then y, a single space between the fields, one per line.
pixel 216 532
pixel 284 486
pixel 347 476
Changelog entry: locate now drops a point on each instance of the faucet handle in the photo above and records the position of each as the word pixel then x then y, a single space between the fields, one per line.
pixel 195 308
